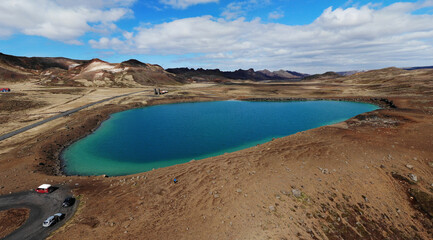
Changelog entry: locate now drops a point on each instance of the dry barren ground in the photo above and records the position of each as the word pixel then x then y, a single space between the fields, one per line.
pixel 11 220
pixel 367 178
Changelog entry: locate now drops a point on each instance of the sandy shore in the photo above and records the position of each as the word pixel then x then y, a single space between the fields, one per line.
pixel 350 180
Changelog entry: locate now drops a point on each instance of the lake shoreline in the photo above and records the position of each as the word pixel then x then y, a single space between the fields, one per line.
pixel 104 113
pixel 111 156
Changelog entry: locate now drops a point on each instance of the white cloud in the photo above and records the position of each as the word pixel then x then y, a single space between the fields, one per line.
pixel 183 4
pixel 427 3
pixel 61 20
pixel 339 39
pixel 234 10
pixel 95 3
pixel 276 15
pixel 350 17
pixel 240 8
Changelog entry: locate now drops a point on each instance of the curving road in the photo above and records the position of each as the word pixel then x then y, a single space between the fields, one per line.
pixel 41 207
pixel 13 133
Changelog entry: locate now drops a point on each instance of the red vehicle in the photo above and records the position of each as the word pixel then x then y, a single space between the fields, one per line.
pixel 44 188
pixel 5 89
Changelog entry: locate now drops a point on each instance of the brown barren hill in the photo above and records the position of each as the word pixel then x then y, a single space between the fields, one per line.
pixel 98 73
pixel 7 75
pixel 60 71
pixel 369 177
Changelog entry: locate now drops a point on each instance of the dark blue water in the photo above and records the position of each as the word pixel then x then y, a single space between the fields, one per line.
pixel 139 140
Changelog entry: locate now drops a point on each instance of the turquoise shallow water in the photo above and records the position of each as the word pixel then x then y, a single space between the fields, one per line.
pixel 139 140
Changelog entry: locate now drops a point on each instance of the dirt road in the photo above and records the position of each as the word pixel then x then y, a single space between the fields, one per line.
pixel 13 133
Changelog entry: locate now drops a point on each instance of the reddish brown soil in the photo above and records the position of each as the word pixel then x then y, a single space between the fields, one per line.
pixel 12 219
pixel 343 174
pixel 351 180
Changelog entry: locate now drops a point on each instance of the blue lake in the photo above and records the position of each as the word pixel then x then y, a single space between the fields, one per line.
pixel 139 140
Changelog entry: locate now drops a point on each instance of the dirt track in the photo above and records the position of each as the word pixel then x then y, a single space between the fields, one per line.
pixel 63 114
pixel 350 180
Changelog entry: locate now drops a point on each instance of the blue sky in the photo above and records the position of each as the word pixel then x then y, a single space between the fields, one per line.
pixel 300 35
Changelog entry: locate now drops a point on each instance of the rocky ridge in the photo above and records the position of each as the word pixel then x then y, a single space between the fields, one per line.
pixel 202 75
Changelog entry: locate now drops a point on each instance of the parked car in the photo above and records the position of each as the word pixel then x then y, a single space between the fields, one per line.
pixel 69 201
pixel 53 219
pixel 44 188
pixel 60 215
pixel 50 221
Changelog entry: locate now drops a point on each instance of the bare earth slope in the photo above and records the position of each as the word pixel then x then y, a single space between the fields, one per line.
pixel 367 178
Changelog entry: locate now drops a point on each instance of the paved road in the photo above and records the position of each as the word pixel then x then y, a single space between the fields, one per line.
pixel 41 207
pixel 13 133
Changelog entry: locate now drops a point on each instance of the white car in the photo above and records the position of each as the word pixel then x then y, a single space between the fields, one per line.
pixel 53 219
pixel 50 221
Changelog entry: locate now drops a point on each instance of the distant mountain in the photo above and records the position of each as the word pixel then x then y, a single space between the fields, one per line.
pixel 301 75
pixel 348 73
pixel 95 72
pixel 134 63
pixel 38 63
pixel 327 75
pixel 283 75
pixel 201 74
pixel 416 68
